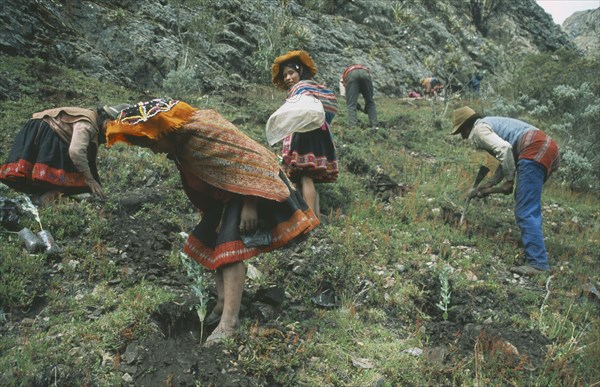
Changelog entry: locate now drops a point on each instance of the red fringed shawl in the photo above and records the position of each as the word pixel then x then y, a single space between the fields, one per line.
pixel 220 154
pixel 207 145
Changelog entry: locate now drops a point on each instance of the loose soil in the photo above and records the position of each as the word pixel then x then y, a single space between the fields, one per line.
pixel 174 355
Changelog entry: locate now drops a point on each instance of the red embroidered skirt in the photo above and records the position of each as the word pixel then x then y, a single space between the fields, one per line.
pixel 310 154
pixel 39 161
pixel 216 240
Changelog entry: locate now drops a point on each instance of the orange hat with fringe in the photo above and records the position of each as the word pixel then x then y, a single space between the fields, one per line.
pixel 149 119
pixel 299 55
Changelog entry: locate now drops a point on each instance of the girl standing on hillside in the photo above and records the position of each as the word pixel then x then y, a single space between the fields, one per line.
pixel 235 183
pixel 55 152
pixel 308 157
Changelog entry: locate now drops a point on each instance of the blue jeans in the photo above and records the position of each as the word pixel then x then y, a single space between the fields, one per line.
pixel 528 211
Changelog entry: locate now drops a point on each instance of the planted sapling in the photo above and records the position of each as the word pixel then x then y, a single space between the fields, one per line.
pixel 195 272
pixel 444 302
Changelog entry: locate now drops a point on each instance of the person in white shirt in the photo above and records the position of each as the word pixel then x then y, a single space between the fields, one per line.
pixel 526 154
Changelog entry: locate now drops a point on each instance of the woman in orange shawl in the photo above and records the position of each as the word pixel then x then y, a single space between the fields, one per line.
pixel 247 204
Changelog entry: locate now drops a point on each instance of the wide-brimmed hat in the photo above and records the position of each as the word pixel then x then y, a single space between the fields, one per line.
pixel 299 55
pixel 461 116
pixel 114 111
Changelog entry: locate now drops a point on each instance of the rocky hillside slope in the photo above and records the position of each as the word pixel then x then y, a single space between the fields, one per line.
pixel 210 45
pixel 584 29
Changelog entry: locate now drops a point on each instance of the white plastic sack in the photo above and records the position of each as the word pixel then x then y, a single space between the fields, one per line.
pixel 300 113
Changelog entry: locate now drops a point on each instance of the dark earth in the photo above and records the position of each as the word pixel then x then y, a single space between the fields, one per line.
pixel 177 356
pixel 174 355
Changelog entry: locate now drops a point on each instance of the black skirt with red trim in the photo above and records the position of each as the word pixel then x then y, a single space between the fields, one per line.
pixel 39 162
pixel 216 240
pixel 310 154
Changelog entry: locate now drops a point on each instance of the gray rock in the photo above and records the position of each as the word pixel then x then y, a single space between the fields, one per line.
pixel 138 44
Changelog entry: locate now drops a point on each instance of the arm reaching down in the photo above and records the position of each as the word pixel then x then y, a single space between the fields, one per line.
pixel 249 215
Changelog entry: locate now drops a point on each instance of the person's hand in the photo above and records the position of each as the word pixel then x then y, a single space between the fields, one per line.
pixel 485 186
pixel 472 193
pixel 96 188
pixel 483 192
pixel 507 187
pixel 480 192
pixel 249 216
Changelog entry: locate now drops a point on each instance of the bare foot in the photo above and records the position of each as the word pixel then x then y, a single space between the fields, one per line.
pixel 222 332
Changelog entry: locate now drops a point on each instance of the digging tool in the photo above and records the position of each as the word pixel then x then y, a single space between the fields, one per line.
pixel 483 171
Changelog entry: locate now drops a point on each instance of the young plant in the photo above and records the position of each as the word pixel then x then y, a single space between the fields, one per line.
pixel 195 272
pixel 32 209
pixel 444 302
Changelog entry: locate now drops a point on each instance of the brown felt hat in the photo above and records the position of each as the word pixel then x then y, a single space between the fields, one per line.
pixel 299 55
pixel 461 116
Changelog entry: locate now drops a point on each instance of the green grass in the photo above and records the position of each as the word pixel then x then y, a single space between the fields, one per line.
pixel 383 259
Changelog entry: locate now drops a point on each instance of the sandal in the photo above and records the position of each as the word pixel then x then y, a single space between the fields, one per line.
pixel 218 337
pixel 212 318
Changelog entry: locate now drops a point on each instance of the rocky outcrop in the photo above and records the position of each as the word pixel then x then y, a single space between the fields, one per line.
pixel 584 29
pixel 183 45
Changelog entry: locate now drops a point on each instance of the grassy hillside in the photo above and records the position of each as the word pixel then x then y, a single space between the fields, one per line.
pixel 390 290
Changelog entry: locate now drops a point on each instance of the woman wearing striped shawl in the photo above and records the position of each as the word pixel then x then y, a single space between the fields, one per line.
pixel 247 204
pixel 308 157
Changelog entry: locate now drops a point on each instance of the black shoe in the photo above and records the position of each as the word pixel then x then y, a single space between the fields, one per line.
pixel 526 270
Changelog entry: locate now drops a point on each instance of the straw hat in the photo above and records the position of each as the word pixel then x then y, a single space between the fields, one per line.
pixel 459 117
pixel 300 55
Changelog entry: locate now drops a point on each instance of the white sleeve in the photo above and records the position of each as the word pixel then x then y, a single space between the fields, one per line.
pixel 484 138
pixel 82 135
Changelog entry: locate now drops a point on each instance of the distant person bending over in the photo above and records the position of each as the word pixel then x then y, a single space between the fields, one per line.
pixel 525 153
pixel 235 183
pixel 474 83
pixel 356 80
pixel 432 86
pixel 308 157
pixel 55 152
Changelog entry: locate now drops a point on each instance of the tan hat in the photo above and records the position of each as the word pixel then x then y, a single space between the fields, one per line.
pixel 300 55
pixel 461 116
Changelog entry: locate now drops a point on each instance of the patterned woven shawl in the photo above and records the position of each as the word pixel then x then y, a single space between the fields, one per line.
pixel 207 145
pixel 220 154
pixel 326 96
pixel 150 119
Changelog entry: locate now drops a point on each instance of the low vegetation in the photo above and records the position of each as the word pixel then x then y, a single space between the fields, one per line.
pixel 417 298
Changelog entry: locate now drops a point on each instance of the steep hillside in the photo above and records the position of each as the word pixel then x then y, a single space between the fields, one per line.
pixel 584 29
pixel 392 289
pixel 201 45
